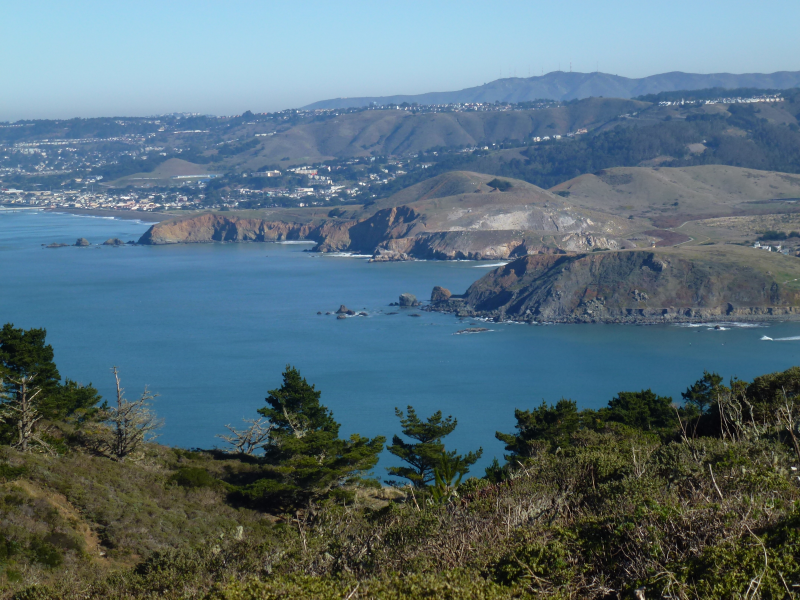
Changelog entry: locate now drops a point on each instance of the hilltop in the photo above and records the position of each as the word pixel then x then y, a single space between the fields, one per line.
pixel 671 196
pixel 638 286
pixel 401 132
pixel 561 85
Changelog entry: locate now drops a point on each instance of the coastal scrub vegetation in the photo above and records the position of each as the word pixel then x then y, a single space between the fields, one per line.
pixel 643 498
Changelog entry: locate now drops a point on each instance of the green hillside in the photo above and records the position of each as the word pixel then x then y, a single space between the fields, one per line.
pixel 638 497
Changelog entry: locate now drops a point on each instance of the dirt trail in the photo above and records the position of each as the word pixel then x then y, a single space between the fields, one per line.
pixel 70 513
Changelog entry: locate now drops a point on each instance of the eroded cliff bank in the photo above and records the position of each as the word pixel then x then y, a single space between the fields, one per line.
pixel 396 233
pixel 675 285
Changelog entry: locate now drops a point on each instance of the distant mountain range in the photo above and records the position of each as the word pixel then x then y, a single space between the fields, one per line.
pixel 560 85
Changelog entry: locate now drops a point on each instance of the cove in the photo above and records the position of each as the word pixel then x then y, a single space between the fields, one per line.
pixel 211 327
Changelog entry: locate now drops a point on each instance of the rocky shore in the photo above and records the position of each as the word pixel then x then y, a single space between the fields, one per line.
pixel 634 287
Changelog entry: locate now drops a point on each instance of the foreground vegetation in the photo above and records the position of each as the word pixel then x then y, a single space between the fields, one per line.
pixel 638 499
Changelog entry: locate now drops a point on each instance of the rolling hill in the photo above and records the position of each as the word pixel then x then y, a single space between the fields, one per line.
pixel 398 132
pixel 560 85
pixel 671 196
pixel 457 215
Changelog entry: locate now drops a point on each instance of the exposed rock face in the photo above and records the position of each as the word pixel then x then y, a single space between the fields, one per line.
pixel 83 242
pixel 408 300
pixel 387 224
pixel 331 236
pixel 440 295
pixel 384 255
pixel 114 242
pixel 219 228
pixel 632 286
pixel 343 310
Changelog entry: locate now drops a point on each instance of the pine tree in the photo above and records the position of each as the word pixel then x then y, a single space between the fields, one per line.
pixel 423 456
pixel 702 393
pixel 25 354
pixel 307 459
pixel 545 427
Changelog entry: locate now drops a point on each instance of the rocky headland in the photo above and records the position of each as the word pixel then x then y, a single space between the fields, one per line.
pixel 452 216
pixel 715 283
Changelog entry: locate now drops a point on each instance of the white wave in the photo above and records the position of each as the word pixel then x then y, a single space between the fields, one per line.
pixel 793 338
pixel 292 242
pixel 723 325
pixel 347 255
pixel 765 338
pixel 491 266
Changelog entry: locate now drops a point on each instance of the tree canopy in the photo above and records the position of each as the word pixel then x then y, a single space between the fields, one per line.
pixel 304 455
pixel 425 455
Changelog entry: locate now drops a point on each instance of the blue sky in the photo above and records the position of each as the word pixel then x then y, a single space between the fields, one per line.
pixel 89 58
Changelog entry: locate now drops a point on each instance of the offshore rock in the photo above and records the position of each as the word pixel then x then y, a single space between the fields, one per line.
pixel 440 295
pixel 82 242
pixel 343 310
pixel 114 242
pixel 408 300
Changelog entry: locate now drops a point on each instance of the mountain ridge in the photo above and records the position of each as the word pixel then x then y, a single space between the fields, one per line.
pixel 562 85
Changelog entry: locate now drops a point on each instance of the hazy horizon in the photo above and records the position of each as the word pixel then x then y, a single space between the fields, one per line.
pixel 138 59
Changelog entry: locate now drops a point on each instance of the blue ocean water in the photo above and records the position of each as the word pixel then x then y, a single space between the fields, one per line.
pixel 211 327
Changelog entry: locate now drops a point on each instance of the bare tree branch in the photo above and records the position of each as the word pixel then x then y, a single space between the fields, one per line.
pixel 248 441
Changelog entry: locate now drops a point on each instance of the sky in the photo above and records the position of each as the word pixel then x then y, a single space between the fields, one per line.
pixel 89 58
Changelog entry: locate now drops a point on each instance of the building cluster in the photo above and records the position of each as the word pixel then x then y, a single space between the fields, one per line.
pixel 737 100
pixel 70 199
pixel 772 247
pixel 547 138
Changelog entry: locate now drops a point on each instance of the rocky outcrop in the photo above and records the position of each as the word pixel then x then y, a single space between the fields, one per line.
pixel 219 228
pixel 440 295
pixel 82 242
pixel 114 242
pixel 331 235
pixel 408 300
pixel 633 287
pixel 343 310
pixel 391 234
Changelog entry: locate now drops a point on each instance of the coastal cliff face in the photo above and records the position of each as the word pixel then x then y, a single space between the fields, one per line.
pixel 633 286
pixel 396 233
pixel 218 228
pixel 363 235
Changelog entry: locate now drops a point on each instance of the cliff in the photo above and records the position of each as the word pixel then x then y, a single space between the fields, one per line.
pixel 456 215
pixel 331 235
pixel 671 285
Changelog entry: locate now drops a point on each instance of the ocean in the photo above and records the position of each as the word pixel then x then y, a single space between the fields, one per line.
pixel 211 327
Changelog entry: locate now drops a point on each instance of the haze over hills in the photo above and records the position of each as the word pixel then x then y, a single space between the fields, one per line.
pixel 561 85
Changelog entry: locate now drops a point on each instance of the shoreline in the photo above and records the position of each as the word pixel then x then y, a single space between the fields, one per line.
pixel 709 319
pixel 126 215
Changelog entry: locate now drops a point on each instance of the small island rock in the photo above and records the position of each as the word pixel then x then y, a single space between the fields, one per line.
pixel 114 242
pixel 343 310
pixel 440 295
pixel 408 300
pixel 82 242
